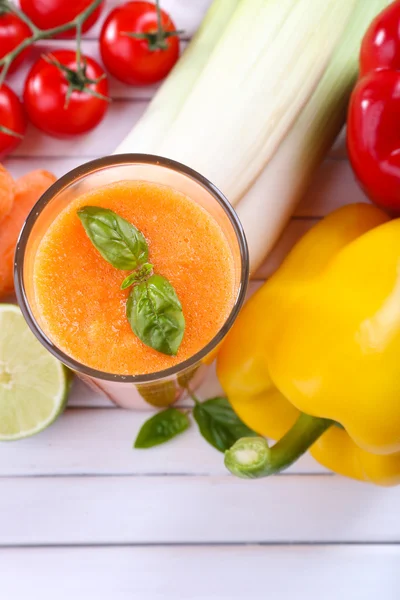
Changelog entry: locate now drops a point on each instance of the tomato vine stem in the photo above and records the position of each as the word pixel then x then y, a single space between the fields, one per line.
pixel 43 34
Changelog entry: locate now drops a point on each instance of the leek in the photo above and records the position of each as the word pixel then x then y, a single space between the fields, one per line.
pixel 268 205
pixel 262 73
pixel 256 100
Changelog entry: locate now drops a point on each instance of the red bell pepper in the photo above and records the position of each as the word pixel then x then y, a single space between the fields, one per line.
pixel 373 128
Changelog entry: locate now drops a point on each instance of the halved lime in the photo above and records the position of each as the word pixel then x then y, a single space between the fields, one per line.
pixel 33 384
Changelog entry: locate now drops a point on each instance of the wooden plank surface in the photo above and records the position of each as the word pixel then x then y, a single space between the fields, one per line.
pixel 99 442
pixel 195 509
pixel 195 573
pixel 81 488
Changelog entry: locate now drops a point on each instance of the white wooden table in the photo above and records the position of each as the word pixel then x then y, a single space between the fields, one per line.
pixel 83 516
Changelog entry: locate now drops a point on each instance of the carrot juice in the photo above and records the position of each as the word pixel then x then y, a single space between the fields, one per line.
pixel 137 316
pixel 78 294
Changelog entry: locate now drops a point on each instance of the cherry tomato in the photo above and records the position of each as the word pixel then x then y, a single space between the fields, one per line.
pixel 12 118
pixel 47 14
pixel 133 60
pixel 13 31
pixel 46 91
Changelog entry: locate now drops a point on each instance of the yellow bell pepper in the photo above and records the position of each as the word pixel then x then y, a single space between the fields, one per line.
pixel 314 358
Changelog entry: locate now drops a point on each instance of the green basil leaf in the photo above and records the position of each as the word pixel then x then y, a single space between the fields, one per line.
pixel 162 427
pixel 155 314
pixel 137 276
pixel 117 240
pixel 219 424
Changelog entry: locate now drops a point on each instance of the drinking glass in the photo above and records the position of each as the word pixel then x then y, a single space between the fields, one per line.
pixel 137 391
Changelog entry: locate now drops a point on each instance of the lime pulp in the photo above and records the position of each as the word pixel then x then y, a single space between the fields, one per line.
pixel 33 384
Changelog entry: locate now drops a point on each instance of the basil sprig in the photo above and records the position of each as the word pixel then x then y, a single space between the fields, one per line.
pixel 218 424
pixel 153 308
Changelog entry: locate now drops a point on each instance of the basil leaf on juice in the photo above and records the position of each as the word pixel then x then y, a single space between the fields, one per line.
pixel 164 426
pixel 155 314
pixel 117 240
pixel 219 424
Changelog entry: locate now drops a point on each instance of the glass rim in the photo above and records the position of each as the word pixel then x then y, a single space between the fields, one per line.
pixel 81 172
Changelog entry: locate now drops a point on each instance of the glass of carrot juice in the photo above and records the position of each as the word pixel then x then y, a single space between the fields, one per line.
pixel 165 233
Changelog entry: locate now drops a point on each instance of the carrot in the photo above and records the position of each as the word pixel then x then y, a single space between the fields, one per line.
pixel 6 192
pixel 28 190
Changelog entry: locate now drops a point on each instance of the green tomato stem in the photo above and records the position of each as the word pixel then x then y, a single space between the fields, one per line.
pixel 160 29
pixel 41 34
pixel 10 132
pixel 252 458
pixel 78 48
pixel 156 39
pixel 20 13
pixel 77 80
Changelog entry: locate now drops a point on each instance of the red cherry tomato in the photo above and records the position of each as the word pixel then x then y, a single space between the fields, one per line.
pixel 45 96
pixel 47 14
pixel 133 60
pixel 12 118
pixel 13 31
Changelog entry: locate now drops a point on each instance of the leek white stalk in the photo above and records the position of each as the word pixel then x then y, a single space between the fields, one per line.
pixel 261 74
pixel 256 100
pixel 172 94
pixel 243 103
pixel 268 205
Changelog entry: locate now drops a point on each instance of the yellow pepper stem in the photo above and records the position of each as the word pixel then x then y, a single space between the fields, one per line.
pixel 251 457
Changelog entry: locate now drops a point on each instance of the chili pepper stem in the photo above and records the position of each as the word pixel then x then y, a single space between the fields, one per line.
pixel 251 457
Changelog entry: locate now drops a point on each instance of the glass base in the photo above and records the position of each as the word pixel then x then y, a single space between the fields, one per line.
pixel 157 394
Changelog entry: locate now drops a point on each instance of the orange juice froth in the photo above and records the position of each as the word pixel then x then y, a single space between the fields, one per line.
pixel 78 297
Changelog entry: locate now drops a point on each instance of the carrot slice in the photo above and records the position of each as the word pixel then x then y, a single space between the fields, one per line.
pixel 6 192
pixel 28 190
